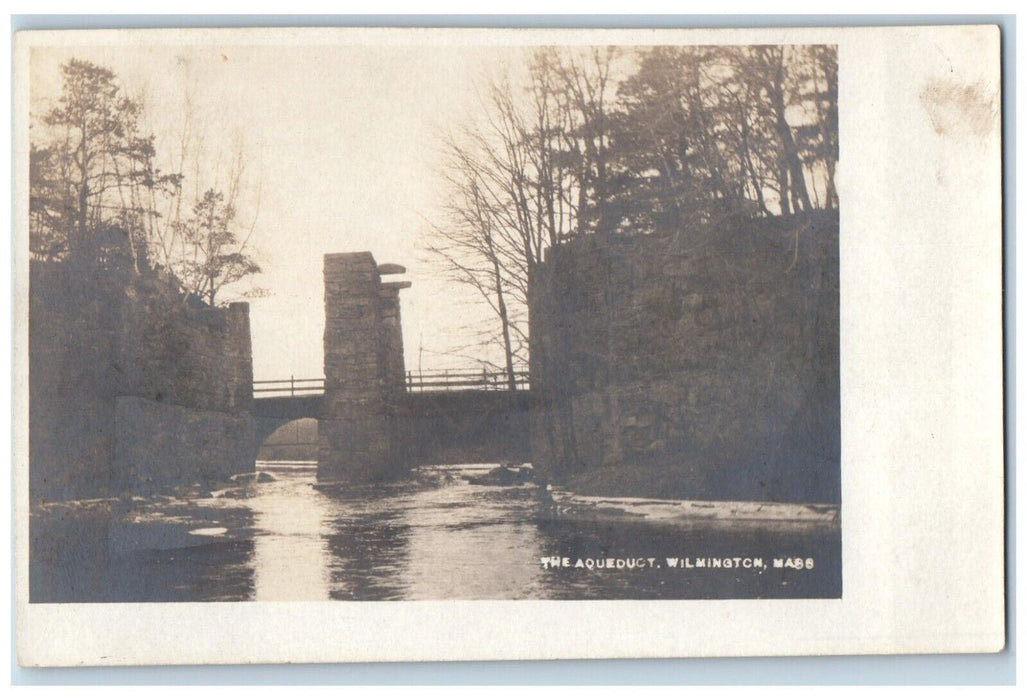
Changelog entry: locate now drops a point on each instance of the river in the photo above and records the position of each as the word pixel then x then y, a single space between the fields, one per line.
pixel 434 536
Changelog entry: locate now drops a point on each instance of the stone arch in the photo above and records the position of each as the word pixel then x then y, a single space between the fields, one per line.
pixel 286 439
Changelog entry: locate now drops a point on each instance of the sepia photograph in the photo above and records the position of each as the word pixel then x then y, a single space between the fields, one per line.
pixel 499 317
pixel 616 375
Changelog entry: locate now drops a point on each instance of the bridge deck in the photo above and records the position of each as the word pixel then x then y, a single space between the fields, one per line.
pixel 456 422
pixel 438 380
pixel 304 398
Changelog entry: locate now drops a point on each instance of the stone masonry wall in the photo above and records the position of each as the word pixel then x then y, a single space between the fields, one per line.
pixel 702 365
pixel 96 337
pixel 364 368
pixel 189 445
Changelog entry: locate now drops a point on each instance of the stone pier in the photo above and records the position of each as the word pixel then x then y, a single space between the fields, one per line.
pixel 364 371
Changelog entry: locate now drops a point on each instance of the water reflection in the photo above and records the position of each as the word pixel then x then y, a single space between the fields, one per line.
pixel 164 550
pixel 367 540
pixel 472 542
pixel 435 536
pixel 290 554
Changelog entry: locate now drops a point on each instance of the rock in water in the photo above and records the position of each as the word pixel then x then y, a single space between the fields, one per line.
pixel 251 477
pixel 505 475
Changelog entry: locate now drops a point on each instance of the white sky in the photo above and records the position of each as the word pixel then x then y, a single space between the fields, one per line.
pixel 342 144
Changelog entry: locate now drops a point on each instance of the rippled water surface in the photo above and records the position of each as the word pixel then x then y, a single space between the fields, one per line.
pixel 434 536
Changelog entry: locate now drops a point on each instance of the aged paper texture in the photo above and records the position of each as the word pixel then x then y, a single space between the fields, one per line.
pixel 398 344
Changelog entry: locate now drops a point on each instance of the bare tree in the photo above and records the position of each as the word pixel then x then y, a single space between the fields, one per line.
pixel 530 172
pixel 814 72
pixel 220 166
pixel 214 256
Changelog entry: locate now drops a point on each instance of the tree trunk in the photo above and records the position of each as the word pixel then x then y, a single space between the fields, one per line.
pixel 750 169
pixel 791 154
pixel 210 266
pixel 832 194
pixel 799 190
pixel 504 320
pixel 782 181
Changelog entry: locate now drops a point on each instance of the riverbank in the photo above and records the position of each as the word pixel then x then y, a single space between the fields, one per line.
pixel 74 545
pixel 686 482
pixel 565 506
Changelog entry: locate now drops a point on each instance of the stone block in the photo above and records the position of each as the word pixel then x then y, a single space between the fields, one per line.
pixel 709 360
pixel 363 351
pixel 105 338
pixel 159 445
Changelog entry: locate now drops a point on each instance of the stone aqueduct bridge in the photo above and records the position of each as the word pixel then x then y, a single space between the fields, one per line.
pixel 373 421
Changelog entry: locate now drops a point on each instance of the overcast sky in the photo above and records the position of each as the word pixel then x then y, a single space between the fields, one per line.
pixel 341 148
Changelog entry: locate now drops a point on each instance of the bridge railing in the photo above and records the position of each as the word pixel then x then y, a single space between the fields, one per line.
pixel 461 380
pixel 288 387
pixel 416 381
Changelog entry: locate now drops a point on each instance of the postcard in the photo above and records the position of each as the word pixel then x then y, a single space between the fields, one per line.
pixel 423 344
